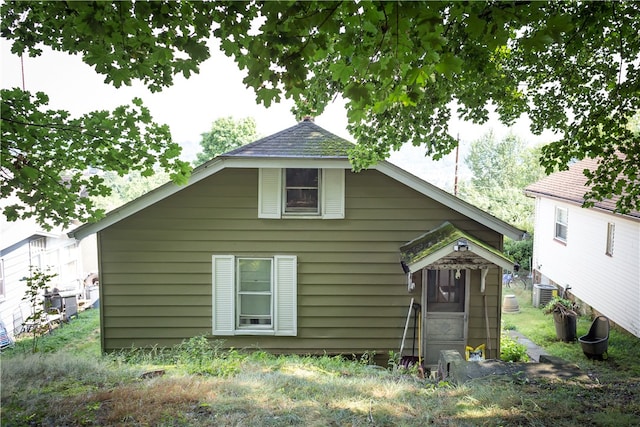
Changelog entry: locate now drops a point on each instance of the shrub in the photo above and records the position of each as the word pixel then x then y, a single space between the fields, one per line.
pixel 520 250
pixel 512 351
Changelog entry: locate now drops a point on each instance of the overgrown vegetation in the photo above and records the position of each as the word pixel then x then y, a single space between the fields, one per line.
pixel 624 356
pixel 200 383
pixel 511 350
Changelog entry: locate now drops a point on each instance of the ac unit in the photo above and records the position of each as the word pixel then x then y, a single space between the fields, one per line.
pixel 542 294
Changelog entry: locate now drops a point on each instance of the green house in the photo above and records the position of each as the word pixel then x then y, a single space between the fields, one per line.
pixel 279 246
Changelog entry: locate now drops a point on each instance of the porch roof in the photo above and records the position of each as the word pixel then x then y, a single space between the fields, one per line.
pixel 448 247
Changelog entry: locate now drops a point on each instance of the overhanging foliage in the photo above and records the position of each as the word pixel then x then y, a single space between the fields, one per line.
pixel 571 67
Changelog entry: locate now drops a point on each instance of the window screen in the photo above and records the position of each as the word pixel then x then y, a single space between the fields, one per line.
pixel 301 191
pixel 254 292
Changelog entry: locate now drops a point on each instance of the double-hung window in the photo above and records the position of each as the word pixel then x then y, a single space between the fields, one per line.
pixel 561 224
pixel 255 292
pixel 301 193
pixel 254 295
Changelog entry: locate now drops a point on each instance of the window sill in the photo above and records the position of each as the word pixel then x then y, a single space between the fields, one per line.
pixel 254 332
pixel 562 242
pixel 301 216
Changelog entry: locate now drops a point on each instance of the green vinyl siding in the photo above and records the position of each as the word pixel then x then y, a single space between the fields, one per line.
pixel 352 297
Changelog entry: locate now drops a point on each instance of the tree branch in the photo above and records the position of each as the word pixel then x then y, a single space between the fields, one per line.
pixel 76 129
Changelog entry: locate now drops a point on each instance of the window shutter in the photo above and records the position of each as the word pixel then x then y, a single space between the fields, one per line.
pixel 285 281
pixel 333 194
pixel 223 295
pixel 269 193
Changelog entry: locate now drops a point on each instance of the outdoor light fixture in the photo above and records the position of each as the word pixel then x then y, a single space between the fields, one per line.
pixel 410 285
pixel 461 245
pixel 405 267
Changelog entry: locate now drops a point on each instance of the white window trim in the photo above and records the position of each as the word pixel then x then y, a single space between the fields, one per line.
pixel 611 232
pixel 331 197
pixel 294 213
pixel 3 282
pixel 556 222
pixel 271 294
pixel 224 297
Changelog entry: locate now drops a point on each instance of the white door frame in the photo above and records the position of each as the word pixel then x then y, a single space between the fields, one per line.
pixel 425 318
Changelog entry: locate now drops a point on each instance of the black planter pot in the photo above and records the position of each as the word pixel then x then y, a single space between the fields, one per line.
pixel 565 326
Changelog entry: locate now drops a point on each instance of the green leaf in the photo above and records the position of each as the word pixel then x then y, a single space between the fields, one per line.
pixel 28 172
pixel 449 65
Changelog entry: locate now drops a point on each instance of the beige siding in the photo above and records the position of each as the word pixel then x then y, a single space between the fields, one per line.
pixel 156 265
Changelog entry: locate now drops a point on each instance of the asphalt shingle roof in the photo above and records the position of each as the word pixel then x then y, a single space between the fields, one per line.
pixel 571 185
pixel 306 139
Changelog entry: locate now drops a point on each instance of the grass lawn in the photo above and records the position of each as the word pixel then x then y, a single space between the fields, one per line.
pixel 68 382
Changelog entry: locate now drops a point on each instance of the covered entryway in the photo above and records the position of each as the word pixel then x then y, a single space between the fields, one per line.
pixel 445 302
pixel 440 264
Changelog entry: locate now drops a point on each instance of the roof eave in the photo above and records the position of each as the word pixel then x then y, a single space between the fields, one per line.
pixel 201 172
pixel 492 260
pixel 146 200
pixel 221 162
pixel 450 200
pixel 535 194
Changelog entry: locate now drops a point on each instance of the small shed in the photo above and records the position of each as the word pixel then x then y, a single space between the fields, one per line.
pixel 439 263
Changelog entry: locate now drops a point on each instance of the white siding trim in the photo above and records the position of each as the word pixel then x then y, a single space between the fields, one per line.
pixel 269 193
pixel 333 193
pixel 224 294
pixel 285 291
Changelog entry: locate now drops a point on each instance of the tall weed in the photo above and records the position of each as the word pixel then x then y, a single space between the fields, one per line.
pixel 511 350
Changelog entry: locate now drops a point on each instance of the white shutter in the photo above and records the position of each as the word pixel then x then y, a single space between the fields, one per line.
pixel 333 194
pixel 285 290
pixel 223 295
pixel 269 193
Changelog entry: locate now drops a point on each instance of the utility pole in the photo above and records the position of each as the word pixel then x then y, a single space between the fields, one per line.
pixel 455 179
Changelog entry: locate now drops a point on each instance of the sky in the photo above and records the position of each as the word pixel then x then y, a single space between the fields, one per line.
pixel 191 105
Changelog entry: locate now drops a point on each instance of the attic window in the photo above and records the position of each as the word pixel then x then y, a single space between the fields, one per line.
pixel 301 191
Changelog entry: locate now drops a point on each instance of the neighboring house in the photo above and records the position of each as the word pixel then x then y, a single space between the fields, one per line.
pixel 594 251
pixel 24 244
pixel 278 246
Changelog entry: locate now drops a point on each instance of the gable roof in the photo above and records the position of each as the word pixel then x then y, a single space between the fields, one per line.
pixel 448 247
pixel 304 145
pixel 571 185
